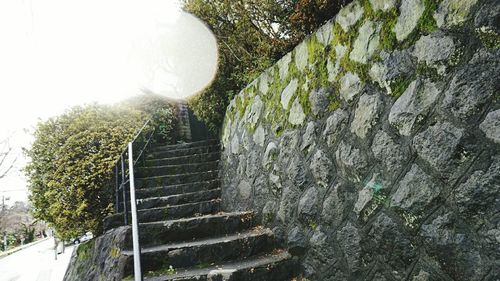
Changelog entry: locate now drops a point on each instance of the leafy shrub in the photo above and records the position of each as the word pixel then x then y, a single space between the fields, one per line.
pixel 164 121
pixel 72 159
pixel 252 35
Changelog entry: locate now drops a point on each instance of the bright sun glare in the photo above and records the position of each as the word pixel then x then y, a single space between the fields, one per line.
pixel 55 54
pixel 58 53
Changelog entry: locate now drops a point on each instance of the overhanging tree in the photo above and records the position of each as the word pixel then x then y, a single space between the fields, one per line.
pixel 252 35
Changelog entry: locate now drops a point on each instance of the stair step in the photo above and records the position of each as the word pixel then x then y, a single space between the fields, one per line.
pixel 186 229
pixel 167 190
pixel 195 158
pixel 152 171
pixel 186 145
pixel 175 179
pixel 211 250
pixel 166 213
pixel 279 266
pixel 182 151
pixel 178 199
pixel 179 211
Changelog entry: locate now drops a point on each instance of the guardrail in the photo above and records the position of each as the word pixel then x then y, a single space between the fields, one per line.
pixel 124 175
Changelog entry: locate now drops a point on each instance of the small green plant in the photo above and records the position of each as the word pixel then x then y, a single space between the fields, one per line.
pixel 313 225
pixel 171 270
pixel 164 122
pixel 268 218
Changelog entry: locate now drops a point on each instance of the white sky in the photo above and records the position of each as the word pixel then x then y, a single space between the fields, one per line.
pixel 55 54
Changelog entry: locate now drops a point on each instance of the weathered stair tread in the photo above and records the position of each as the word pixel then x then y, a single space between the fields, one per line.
pixel 177 168
pixel 178 211
pixel 178 199
pixel 175 179
pixel 198 157
pixel 183 151
pixel 165 213
pixel 208 241
pixel 156 233
pixel 273 267
pixel 167 190
pixel 187 144
pixel 208 250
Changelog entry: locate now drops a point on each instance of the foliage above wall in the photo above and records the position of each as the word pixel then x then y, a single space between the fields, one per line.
pixel 251 36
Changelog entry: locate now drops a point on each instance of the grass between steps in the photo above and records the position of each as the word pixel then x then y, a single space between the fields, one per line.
pixel 160 272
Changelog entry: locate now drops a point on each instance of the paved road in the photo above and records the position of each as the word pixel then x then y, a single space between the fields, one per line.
pixel 35 263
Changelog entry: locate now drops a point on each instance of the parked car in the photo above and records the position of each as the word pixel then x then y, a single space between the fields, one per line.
pixel 85 237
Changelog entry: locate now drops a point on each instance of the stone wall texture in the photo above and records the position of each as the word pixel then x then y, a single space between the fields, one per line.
pixel 100 259
pixel 373 148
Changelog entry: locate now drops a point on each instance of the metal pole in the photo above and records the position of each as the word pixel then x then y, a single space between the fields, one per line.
pixel 135 225
pixel 117 191
pixel 55 248
pixel 5 241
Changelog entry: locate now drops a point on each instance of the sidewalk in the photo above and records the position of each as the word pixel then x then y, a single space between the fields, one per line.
pixel 35 263
pixel 11 251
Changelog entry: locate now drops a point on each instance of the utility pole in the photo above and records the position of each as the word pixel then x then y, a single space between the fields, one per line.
pixel 5 241
pixel 3 201
pixel 4 233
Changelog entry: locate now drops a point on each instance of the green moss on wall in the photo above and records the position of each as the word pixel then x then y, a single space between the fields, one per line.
pixel 115 252
pixel 85 250
pixel 489 37
pixel 388 39
pixel 399 85
pixel 425 25
pixel 316 75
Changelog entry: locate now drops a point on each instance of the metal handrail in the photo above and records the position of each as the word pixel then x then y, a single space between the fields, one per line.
pixel 135 224
pixel 121 179
pixel 121 166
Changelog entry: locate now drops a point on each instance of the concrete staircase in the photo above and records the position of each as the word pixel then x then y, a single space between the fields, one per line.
pixel 184 124
pixel 183 233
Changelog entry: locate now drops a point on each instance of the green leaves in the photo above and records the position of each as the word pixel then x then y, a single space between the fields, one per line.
pixel 73 156
pixel 252 35
pixel 71 162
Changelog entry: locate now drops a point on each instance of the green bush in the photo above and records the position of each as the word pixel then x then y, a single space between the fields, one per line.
pixel 73 156
pixel 164 122
pixel 72 160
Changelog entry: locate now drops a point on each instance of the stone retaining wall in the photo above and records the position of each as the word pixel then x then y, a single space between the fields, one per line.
pixel 373 148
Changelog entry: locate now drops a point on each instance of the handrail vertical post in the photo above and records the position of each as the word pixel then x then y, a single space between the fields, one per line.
pixel 135 226
pixel 117 191
pixel 124 192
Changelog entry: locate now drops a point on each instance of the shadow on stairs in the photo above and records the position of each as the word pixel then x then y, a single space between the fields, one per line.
pixel 183 232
